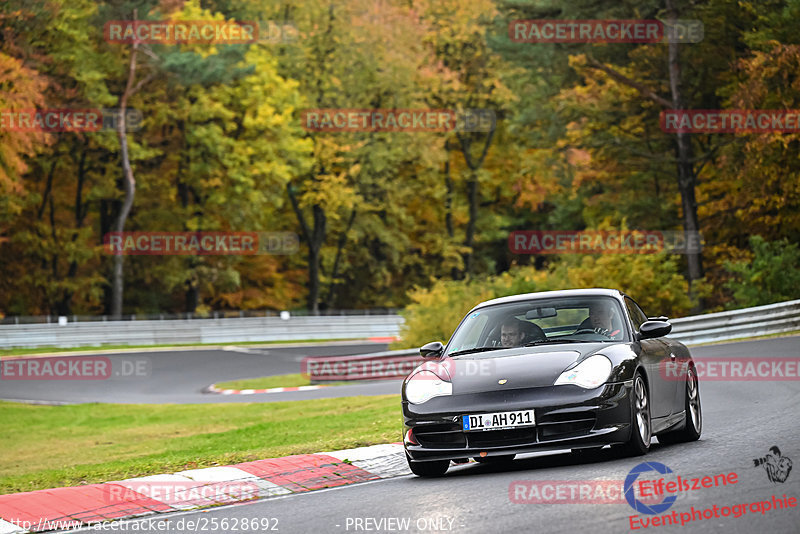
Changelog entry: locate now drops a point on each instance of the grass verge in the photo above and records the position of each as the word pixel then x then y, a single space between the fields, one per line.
pixel 54 446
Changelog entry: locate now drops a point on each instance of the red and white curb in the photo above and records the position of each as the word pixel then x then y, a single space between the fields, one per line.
pixel 62 508
pixel 214 389
pixel 385 461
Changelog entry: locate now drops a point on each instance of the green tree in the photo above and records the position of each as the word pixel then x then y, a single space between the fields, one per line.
pixel 772 275
pixel 652 279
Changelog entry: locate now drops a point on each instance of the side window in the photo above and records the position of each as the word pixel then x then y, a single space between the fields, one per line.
pixel 637 315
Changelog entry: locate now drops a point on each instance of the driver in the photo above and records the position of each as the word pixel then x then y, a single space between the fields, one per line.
pixel 512 333
pixel 601 320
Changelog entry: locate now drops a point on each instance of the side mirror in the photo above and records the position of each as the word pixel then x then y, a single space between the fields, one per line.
pixel 652 329
pixel 432 351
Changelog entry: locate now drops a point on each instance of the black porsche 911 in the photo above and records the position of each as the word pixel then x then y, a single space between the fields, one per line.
pixel 573 369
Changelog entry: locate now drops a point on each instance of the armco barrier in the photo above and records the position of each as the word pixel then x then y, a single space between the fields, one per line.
pixel 736 324
pixel 231 330
pixel 375 366
pixel 722 326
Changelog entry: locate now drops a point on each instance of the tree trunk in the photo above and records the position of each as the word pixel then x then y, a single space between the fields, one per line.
pixel 191 295
pixel 128 180
pixel 469 239
pixel 66 298
pixel 335 271
pixel 472 193
pixel 107 210
pixel 687 179
pixel 314 238
pixel 129 186
pixel 448 199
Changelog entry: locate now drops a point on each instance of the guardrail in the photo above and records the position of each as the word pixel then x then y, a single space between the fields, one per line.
pixel 374 366
pixel 737 324
pixel 721 326
pixel 225 314
pixel 199 331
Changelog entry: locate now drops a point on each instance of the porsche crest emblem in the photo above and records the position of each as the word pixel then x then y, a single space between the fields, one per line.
pixel 502 381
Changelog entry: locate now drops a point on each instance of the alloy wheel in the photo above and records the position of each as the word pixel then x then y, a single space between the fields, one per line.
pixel 642 411
pixel 694 401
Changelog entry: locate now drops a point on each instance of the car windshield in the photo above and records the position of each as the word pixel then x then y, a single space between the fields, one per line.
pixel 539 322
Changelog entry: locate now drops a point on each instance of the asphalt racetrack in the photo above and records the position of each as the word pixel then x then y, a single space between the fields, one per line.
pixel 742 420
pixel 180 376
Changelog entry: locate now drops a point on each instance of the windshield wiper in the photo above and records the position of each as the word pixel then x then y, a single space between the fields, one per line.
pixel 549 341
pixel 478 349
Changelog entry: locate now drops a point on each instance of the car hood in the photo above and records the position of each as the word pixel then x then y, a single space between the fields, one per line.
pixel 522 367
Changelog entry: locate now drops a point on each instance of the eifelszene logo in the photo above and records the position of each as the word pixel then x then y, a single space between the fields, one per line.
pixel 636 504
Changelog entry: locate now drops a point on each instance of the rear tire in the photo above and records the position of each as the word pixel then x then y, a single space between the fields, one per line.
pixel 433 468
pixel 693 424
pixel 494 460
pixel 641 425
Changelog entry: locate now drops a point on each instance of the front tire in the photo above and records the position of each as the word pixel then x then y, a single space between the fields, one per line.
pixel 693 425
pixel 641 425
pixel 433 468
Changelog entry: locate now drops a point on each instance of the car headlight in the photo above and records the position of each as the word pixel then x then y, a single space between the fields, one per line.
pixel 425 385
pixel 590 373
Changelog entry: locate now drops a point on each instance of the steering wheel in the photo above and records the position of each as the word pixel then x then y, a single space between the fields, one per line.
pixel 601 331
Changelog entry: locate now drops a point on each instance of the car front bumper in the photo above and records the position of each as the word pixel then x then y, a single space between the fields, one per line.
pixel 566 417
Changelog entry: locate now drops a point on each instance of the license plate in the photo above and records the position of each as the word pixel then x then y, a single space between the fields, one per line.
pixel 497 421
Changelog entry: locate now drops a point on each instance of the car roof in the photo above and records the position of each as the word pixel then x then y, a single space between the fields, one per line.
pixel 593 292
